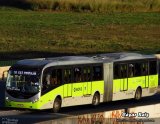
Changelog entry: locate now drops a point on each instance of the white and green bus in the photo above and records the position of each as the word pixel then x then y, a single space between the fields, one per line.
pixel 52 83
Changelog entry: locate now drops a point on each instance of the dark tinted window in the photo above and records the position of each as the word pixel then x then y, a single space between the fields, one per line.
pixel 67 75
pixel 152 67
pixel 120 71
pixel 97 73
pixel 46 77
pixel 116 71
pixel 144 69
pixel 137 69
pixel 131 71
pixel 52 78
pixel 123 70
pixel 86 74
pixel 56 77
pixel 77 74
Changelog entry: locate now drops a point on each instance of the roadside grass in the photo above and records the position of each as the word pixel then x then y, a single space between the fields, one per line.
pixel 78 33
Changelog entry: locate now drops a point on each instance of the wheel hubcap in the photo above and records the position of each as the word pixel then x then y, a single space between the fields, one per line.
pixel 95 100
pixel 56 105
pixel 138 95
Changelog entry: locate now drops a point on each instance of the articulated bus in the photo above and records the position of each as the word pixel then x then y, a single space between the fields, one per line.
pixel 52 83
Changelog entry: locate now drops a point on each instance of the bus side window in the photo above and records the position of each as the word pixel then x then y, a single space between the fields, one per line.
pixel 77 74
pixel 86 74
pixel 123 70
pixel 53 78
pixel 97 73
pixel 144 69
pixel 46 77
pixel 67 76
pixel 56 77
pixel 137 69
pixel 130 70
pixel 116 71
pixel 59 76
pixel 152 67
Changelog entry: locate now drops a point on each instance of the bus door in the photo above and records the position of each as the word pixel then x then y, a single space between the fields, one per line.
pixel 153 74
pixel 145 74
pixel 67 87
pixel 124 80
pixel 87 85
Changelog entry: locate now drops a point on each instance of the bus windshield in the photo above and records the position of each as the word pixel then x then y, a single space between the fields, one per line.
pixel 26 85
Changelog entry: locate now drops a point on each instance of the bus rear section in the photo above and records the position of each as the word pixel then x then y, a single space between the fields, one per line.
pixel 135 79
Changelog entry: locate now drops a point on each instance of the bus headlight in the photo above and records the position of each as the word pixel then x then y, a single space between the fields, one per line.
pixel 35 100
pixel 6 98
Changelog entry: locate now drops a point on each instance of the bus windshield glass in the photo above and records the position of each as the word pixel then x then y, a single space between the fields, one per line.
pixel 23 84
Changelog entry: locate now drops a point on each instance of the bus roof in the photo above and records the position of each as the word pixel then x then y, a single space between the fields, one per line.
pixel 66 60
pixel 72 60
pixel 125 56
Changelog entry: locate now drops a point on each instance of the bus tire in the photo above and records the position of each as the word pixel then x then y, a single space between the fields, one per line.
pixel 57 105
pixel 96 99
pixel 138 94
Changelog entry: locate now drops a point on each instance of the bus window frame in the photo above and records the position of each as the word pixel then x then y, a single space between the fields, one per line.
pixel 82 66
pixel 51 68
pixel 80 78
pixel 117 77
pixel 149 66
pixel 72 67
pixel 142 61
pixel 67 67
pixel 133 62
pixel 102 71
pixel 119 73
pixel 90 67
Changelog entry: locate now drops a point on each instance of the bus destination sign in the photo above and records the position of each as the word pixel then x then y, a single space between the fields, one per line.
pixel 25 72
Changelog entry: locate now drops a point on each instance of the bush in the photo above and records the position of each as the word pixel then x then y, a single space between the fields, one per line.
pixel 89 5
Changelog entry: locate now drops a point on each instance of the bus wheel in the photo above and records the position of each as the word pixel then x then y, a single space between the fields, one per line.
pixel 96 99
pixel 57 105
pixel 138 94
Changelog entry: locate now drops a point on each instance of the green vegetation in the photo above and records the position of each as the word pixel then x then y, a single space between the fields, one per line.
pixel 72 32
pixel 90 5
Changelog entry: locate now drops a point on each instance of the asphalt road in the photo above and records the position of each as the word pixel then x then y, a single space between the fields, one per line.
pixel 27 116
